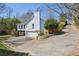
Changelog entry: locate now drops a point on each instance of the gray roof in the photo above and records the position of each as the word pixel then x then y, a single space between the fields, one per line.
pixel 27 17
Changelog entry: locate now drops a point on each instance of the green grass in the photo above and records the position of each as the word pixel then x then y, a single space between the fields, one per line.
pixel 7 51
pixel 3 46
pixel 2 39
pixel 4 52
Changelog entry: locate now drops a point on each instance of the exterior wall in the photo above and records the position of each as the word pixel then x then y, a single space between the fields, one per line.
pixel 35 21
pixel 32 32
pixel 29 30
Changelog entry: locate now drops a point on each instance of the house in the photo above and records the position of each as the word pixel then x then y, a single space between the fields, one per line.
pixel 32 27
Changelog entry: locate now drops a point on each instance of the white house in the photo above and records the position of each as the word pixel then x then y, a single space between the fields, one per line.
pixel 32 27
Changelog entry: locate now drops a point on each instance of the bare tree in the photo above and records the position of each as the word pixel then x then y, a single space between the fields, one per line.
pixel 3 8
pixel 50 8
pixel 9 11
pixel 26 16
pixel 74 10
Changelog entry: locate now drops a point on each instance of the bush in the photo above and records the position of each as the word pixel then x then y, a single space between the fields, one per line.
pixel 8 24
pixel 40 34
pixel 62 22
pixel 50 25
pixel 2 32
pixel 14 32
pixel 53 26
pixel 61 26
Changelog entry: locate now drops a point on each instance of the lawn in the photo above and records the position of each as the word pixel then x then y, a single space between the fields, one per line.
pixel 3 46
pixel 2 39
pixel 7 51
pixel 4 52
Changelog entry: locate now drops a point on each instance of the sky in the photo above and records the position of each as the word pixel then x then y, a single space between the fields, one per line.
pixel 20 8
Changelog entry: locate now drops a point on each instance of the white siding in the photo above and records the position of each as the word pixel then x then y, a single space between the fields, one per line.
pixel 35 21
pixel 29 30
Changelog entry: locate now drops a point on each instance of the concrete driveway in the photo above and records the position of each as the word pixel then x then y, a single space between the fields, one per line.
pixel 58 45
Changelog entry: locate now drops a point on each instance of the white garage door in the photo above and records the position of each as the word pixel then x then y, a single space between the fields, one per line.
pixel 32 34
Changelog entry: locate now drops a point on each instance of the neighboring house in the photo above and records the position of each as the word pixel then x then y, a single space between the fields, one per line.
pixel 32 27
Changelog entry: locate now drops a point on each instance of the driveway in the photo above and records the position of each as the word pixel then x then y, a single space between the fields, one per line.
pixel 57 45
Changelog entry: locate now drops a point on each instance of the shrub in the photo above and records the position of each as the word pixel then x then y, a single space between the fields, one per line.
pixel 41 33
pixel 2 32
pixel 8 24
pixel 60 26
pixel 14 32
pixel 50 24
pixel 62 22
pixel 76 20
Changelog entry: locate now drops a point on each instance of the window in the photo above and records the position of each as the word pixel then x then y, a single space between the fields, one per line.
pixel 24 26
pixel 21 26
pixel 32 26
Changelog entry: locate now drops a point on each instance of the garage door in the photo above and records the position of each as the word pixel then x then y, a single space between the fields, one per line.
pixel 32 34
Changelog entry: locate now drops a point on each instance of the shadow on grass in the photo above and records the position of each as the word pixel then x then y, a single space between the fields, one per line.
pixel 4 52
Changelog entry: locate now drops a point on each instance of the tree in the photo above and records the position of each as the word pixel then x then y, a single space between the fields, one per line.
pixel 3 8
pixel 60 11
pixel 8 25
pixel 74 10
pixel 50 25
pixel 9 11
pixel 26 16
pixel 62 21
pixel 63 18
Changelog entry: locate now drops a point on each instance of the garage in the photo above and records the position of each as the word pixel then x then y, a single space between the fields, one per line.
pixel 32 34
pixel 21 33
